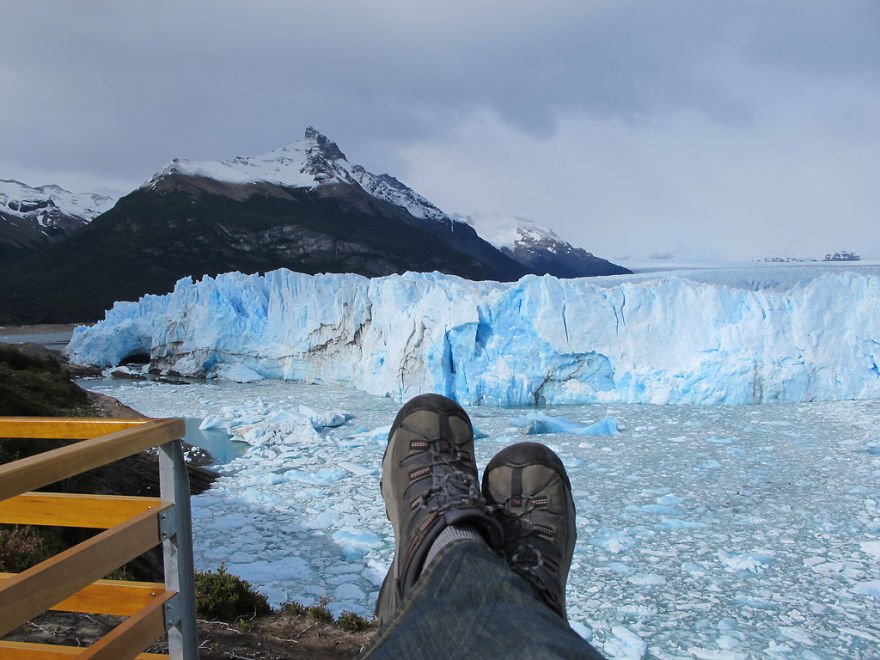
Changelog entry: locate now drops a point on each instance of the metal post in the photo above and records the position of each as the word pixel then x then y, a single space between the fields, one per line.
pixel 180 613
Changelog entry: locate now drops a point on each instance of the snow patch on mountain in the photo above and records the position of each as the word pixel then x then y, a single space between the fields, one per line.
pixel 510 231
pixel 45 205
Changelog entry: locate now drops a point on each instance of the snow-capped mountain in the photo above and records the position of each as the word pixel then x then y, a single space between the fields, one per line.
pixel 31 218
pixel 307 163
pixel 315 161
pixel 538 247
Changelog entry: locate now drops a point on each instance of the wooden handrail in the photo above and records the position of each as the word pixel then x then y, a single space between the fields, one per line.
pixel 48 467
pixel 29 651
pixel 72 510
pixel 115 597
pixel 38 588
pixel 64 428
pixel 71 580
pixel 135 632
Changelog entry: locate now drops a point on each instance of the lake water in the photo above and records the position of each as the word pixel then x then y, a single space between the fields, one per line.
pixel 703 531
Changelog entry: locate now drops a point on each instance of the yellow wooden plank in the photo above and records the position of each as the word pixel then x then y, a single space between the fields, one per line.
pixel 27 651
pixel 48 467
pixel 63 428
pixel 132 635
pixel 38 588
pixel 72 510
pixel 116 597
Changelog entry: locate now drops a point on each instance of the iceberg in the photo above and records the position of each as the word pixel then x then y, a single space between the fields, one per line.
pixel 697 337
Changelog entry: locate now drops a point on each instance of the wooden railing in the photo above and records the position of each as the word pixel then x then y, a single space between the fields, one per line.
pixel 72 581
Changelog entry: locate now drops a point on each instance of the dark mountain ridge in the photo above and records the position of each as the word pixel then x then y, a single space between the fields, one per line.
pixel 192 226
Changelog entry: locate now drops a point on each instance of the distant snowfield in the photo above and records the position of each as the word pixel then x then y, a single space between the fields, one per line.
pixel 703 531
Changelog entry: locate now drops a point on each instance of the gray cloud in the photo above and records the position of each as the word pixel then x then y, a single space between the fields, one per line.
pixel 100 89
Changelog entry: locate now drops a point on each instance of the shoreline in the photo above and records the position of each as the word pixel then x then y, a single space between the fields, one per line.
pixel 40 328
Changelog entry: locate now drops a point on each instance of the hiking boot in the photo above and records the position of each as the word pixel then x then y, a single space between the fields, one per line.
pixel 527 490
pixel 429 481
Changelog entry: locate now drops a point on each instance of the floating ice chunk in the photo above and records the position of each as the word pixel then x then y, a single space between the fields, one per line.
pixel 354 544
pixel 670 500
pixel 323 520
pixel 378 436
pixel 796 634
pixel 693 569
pixel 637 611
pixel 540 423
pixel 612 541
pixel 584 631
pixel 348 592
pixel 624 644
pixel 323 476
pixel 871 548
pixel 607 426
pixel 238 373
pixel 214 422
pixel 721 441
pixel 676 524
pixel 711 654
pixel 280 417
pixel 324 418
pixel 655 508
pixel 870 588
pixel 620 568
pixel 357 470
pixel 648 580
pixel 874 449
pixel 754 562
pixel 710 465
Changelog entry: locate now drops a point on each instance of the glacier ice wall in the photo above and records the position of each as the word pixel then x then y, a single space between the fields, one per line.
pixel 797 335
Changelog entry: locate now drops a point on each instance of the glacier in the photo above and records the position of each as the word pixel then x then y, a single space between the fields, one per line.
pixel 756 335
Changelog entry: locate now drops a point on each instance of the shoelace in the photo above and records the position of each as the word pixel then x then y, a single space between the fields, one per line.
pixel 450 487
pixel 526 558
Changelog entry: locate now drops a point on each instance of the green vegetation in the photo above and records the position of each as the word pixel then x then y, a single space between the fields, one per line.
pixel 320 611
pixel 227 597
pixel 351 622
pixel 36 385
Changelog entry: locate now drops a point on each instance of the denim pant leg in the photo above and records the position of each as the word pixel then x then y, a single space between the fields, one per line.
pixel 470 604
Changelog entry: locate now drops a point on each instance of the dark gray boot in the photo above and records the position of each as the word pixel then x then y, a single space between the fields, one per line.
pixel 528 492
pixel 429 481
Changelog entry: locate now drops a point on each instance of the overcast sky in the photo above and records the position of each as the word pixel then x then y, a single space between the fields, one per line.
pixel 742 128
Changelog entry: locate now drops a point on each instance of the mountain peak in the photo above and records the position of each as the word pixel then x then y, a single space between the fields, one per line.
pixel 308 162
pixel 46 204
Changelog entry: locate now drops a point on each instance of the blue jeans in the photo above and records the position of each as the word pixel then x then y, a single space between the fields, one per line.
pixel 469 604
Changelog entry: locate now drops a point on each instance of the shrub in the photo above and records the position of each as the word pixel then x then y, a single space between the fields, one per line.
pixel 294 608
pixel 351 622
pixel 320 611
pixel 21 547
pixel 227 597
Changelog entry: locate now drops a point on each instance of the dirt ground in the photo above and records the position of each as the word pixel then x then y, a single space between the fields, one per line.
pixel 270 637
